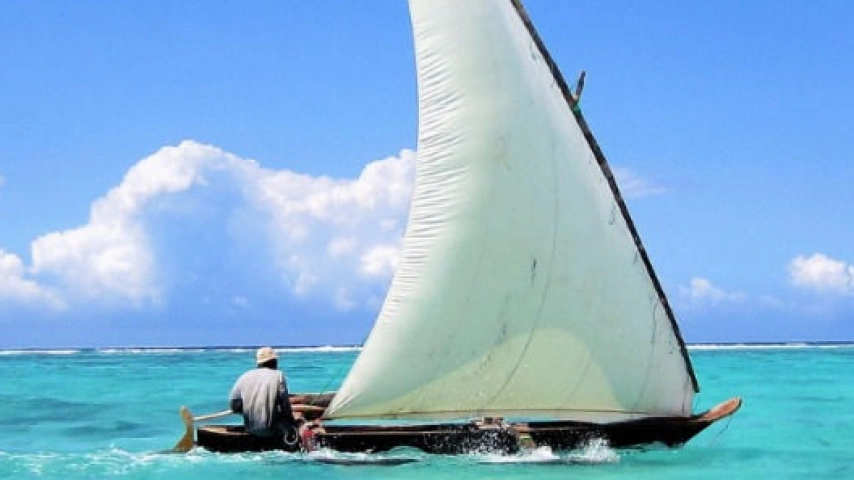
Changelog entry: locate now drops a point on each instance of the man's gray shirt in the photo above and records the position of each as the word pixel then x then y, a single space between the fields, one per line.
pixel 258 390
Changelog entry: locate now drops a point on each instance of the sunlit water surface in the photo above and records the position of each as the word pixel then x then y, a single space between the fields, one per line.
pixel 76 414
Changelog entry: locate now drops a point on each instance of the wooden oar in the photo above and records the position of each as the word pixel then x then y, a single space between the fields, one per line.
pixel 185 444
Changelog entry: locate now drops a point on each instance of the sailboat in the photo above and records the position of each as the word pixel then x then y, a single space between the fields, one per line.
pixel 524 310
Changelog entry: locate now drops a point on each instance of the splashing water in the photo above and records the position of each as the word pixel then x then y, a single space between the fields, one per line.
pixel 597 451
pixel 537 455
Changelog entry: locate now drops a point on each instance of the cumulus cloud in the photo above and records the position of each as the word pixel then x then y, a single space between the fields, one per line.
pixel 633 186
pixel 817 273
pixel 702 292
pixel 820 273
pixel 380 261
pixel 16 288
pixel 109 259
pixel 186 207
pixel 335 237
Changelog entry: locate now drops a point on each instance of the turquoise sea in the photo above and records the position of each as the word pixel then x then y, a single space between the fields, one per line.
pixel 85 414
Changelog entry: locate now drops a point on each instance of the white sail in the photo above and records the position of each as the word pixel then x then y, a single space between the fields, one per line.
pixel 522 289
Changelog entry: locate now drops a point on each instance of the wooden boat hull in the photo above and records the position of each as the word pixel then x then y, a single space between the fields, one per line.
pixel 234 439
pixel 456 439
pixel 471 437
pixel 510 438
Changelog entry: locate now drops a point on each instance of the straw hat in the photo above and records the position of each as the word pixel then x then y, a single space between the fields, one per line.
pixel 265 354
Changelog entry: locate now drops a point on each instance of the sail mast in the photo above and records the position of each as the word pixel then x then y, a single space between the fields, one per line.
pixel 571 102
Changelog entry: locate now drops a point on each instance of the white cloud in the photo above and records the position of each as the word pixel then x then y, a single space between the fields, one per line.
pixel 817 273
pixel 702 292
pixel 15 287
pixel 110 259
pixel 822 274
pixel 305 282
pixel 98 261
pixel 344 299
pixel 380 261
pixel 191 204
pixel 340 247
pixel 633 186
pixel 342 229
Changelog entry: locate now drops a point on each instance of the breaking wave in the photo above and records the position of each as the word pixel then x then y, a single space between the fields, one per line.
pixel 355 348
pixel 769 346
pixel 172 350
pixel 40 352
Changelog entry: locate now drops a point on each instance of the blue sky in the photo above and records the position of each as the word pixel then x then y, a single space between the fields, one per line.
pixel 197 173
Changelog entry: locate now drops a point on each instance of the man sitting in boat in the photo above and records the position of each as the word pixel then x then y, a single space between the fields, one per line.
pixel 261 396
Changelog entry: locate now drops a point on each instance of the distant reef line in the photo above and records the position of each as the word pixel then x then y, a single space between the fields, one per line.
pixel 699 346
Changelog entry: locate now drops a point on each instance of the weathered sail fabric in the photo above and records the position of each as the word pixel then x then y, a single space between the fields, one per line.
pixel 521 291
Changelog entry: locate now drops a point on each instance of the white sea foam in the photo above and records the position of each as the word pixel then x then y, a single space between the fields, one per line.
pixel 39 352
pixel 396 457
pixel 537 455
pixel 233 349
pixel 147 350
pixel 768 346
pixel 174 350
pixel 98 464
pixel 597 451
pixel 144 350
pixel 345 349
pixel 320 349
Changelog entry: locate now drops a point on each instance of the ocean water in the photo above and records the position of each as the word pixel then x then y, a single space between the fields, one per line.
pixel 85 414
